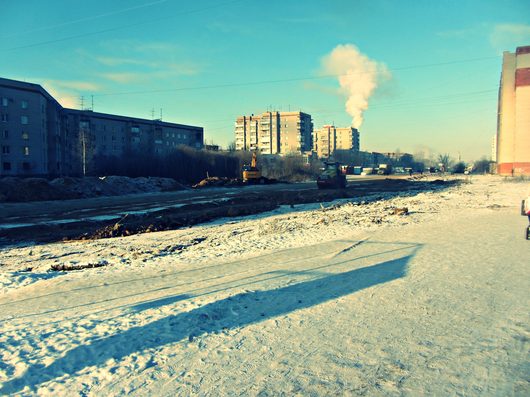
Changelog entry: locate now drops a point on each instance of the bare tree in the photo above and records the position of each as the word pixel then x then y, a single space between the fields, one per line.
pixel 445 161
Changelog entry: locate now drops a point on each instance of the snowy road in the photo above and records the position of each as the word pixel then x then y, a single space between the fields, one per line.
pixel 347 300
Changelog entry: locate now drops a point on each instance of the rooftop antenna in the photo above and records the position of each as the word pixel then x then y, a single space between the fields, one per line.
pixel 92 96
pixel 160 114
pixel 152 113
pixel 82 101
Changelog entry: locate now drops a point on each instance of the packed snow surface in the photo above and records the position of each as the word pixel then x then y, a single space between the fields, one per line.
pixel 344 298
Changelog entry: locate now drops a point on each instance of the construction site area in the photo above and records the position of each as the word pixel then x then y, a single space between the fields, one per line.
pixel 112 216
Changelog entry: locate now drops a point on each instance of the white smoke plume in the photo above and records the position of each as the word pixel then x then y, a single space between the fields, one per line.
pixel 358 77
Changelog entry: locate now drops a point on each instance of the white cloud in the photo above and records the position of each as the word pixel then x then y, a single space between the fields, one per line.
pixel 123 77
pixel 67 92
pixel 75 85
pixel 459 33
pixel 116 61
pixel 507 36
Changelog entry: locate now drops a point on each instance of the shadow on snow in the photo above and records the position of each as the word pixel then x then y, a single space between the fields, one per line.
pixel 230 313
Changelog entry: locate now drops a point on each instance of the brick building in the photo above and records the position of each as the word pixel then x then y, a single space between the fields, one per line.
pixel 513 122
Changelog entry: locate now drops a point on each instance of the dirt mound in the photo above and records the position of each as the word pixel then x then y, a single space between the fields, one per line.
pixel 215 181
pixel 65 188
pixel 31 189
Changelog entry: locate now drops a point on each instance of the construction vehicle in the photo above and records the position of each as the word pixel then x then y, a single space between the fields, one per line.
pixel 251 173
pixel 331 177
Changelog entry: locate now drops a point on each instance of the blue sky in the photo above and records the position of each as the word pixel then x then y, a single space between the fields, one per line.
pixel 206 62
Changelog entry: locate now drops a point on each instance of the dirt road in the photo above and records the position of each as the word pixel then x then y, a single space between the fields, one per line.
pixel 98 217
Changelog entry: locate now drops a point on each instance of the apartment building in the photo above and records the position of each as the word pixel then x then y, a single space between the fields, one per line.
pixel 274 132
pixel 513 122
pixel 330 138
pixel 97 135
pixel 29 124
pixel 40 137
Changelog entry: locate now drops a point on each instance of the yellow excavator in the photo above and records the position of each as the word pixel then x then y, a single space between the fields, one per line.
pixel 251 173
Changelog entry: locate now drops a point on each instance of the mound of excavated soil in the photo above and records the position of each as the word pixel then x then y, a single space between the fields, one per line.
pixel 14 189
pixel 215 181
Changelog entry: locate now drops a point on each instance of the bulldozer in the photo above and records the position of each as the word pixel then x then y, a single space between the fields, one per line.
pixel 331 177
pixel 251 173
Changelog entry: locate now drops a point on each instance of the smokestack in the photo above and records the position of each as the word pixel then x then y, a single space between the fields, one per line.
pixel 358 78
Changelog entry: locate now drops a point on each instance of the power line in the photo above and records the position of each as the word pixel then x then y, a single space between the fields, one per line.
pixel 293 79
pixel 119 27
pixel 419 102
pixel 108 14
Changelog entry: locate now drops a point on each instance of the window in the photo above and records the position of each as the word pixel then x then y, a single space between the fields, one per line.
pixel 25 136
pixel 24 119
pixel 25 150
pixel 5 149
pixel 26 166
pixel 4 118
pixel 7 166
pixel 135 129
pixel 5 134
pixel 4 101
pixel 24 104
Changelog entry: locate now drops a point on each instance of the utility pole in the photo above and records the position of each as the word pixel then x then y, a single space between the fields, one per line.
pixel 83 148
pixel 82 101
pixel 92 96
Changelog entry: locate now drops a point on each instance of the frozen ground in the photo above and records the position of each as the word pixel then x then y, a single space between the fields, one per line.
pixel 345 300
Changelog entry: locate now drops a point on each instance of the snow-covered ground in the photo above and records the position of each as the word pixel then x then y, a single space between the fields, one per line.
pixel 342 299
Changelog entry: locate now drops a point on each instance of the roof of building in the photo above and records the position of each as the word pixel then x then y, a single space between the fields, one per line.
pixel 22 85
pixel 523 50
pixel 92 114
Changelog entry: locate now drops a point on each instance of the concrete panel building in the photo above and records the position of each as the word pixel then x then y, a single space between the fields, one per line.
pixel 40 137
pixel 274 132
pixel 513 122
pixel 30 122
pixel 92 135
pixel 330 138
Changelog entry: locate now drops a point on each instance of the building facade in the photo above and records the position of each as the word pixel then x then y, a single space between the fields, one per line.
pixel 513 122
pixel 274 132
pixel 330 138
pixel 40 137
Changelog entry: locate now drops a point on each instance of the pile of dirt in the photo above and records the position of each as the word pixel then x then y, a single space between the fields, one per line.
pixel 215 181
pixel 14 189
pixel 31 189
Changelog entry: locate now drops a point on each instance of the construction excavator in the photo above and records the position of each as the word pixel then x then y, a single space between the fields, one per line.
pixel 331 177
pixel 251 173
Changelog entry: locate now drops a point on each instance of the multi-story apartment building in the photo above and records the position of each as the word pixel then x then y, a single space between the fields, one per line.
pixel 274 132
pixel 330 138
pixel 99 134
pixel 40 137
pixel 29 124
pixel 513 122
